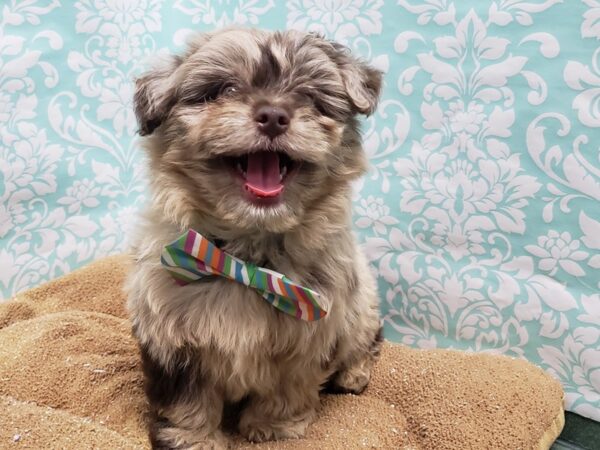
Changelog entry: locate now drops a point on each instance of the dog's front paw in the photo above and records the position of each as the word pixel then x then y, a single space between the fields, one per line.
pixel 173 438
pixel 261 430
pixel 352 380
pixel 353 375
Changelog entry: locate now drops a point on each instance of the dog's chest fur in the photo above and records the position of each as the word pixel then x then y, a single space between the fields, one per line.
pixel 245 341
pixel 242 340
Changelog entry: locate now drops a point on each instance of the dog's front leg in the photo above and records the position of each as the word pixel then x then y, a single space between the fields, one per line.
pixel 186 408
pixel 284 413
pixel 354 372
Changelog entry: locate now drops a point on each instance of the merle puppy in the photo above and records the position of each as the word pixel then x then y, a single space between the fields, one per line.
pixel 252 140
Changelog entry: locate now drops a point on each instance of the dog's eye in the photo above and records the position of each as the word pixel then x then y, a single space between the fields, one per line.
pixel 228 89
pixel 314 100
pixel 209 93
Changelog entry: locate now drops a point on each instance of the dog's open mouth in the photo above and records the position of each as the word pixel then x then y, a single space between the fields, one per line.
pixel 264 174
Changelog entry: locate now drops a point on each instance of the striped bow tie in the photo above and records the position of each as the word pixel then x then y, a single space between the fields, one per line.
pixel 192 257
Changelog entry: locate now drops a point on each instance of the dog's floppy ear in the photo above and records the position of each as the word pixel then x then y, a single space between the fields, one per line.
pixel 361 81
pixel 155 95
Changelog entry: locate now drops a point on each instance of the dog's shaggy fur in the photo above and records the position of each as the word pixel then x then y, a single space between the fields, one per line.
pixel 215 342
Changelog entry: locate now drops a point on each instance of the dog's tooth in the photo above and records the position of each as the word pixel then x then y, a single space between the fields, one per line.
pixel 239 167
pixel 283 173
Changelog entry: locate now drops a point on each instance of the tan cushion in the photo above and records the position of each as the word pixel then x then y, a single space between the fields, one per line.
pixel 70 378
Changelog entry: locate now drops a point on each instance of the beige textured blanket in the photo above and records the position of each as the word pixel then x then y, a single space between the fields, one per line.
pixel 70 378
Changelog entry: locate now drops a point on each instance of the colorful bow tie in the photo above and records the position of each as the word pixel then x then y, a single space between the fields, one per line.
pixel 192 257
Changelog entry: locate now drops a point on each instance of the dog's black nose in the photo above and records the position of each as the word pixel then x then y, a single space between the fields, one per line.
pixel 272 120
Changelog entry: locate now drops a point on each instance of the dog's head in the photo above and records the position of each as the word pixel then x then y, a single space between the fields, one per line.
pixel 254 128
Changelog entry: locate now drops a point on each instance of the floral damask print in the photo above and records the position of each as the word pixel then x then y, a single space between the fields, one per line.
pixel 590 27
pixel 577 362
pixel 116 104
pixel 81 193
pixel 453 274
pixel 114 225
pixel 120 33
pixel 464 121
pixel 122 13
pixel 28 160
pixel 574 169
pixel 479 212
pixel 339 19
pixel 112 53
pixel 442 189
pixel 591 238
pixel 441 11
pixel 558 251
pixel 582 78
pixel 373 212
pixel 224 12
pixel 450 176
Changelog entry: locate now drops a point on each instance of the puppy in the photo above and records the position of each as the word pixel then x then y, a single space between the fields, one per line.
pixel 252 140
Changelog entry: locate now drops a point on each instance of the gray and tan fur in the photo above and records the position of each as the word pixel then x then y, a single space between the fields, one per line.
pixel 215 343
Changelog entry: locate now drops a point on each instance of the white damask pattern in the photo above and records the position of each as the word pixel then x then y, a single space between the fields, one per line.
pixel 480 215
pixel 485 263
pixel 220 13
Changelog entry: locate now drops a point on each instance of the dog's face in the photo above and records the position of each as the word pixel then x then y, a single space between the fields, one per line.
pixel 254 128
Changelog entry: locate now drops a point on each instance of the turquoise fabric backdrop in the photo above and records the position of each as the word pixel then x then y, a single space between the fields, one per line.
pixel 481 213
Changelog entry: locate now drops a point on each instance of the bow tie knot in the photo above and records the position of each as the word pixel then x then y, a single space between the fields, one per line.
pixel 192 257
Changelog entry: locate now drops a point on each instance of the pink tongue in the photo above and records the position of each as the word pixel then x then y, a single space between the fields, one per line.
pixel 262 174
